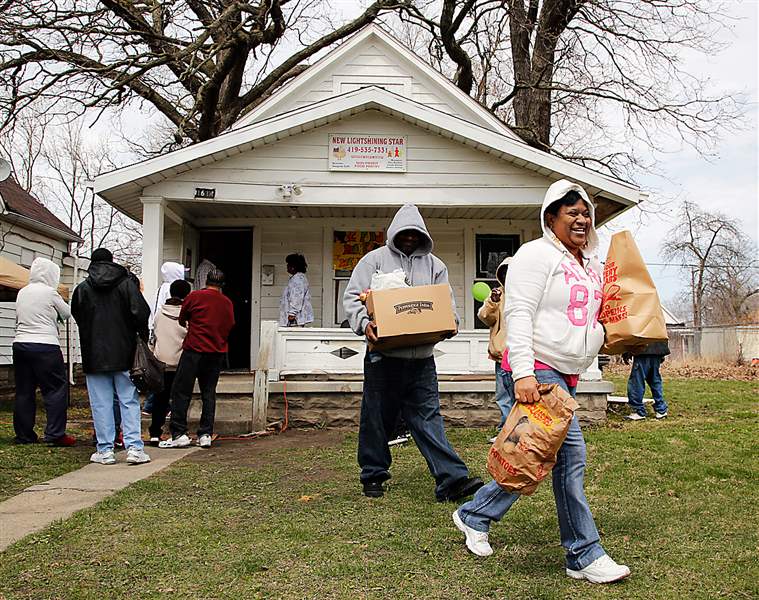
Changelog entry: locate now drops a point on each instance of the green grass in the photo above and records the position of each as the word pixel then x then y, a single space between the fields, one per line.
pixel 28 464
pixel 675 500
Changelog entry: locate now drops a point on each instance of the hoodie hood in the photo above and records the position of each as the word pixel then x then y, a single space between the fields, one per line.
pixel 171 310
pixel 45 271
pixel 500 272
pixel 409 217
pixel 106 275
pixel 171 271
pixel 557 191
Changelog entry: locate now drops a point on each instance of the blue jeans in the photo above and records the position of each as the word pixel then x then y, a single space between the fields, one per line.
pixel 409 387
pixel 579 535
pixel 101 388
pixel 504 392
pixel 645 369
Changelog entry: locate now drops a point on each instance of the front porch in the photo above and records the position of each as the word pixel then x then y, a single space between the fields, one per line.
pixel 318 374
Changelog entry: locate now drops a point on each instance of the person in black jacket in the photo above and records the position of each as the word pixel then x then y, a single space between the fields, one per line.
pixel 645 369
pixel 111 312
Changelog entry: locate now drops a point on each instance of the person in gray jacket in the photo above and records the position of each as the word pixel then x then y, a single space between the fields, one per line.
pixel 403 380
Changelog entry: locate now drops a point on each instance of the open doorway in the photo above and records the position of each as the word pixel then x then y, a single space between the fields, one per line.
pixel 231 250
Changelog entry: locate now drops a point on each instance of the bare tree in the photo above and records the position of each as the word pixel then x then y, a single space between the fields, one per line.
pixel 21 146
pixel 564 74
pixel 200 63
pixel 721 262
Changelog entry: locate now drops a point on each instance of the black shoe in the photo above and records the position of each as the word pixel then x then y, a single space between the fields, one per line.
pixel 461 489
pixel 373 489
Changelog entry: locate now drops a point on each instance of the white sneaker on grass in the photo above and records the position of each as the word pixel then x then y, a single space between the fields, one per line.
pixel 635 417
pixel 661 415
pixel 181 442
pixel 493 439
pixel 601 570
pixel 204 441
pixel 103 458
pixel 135 456
pixel 476 541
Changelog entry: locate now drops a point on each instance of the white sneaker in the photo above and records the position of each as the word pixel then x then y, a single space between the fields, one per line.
pixel 661 415
pixel 135 456
pixel 634 417
pixel 601 570
pixel 103 458
pixel 181 442
pixel 476 541
pixel 204 441
pixel 493 439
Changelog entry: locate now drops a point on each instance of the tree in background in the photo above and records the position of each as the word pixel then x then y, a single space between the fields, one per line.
pixel 54 163
pixel 585 79
pixel 721 262
pixel 200 63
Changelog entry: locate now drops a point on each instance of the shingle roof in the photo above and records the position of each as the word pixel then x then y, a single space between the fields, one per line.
pixel 17 200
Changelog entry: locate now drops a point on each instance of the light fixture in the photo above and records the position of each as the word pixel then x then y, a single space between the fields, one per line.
pixel 288 189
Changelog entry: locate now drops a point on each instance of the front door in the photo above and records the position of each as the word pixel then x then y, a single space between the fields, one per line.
pixel 231 250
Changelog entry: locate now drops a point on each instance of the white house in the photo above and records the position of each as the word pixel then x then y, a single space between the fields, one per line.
pixel 301 173
pixel 29 230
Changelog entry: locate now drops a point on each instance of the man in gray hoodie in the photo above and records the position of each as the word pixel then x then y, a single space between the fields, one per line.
pixel 403 380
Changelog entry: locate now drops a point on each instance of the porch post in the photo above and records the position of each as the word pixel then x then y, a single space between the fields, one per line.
pixel 152 244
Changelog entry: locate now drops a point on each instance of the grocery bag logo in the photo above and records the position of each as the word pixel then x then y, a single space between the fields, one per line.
pixel 413 308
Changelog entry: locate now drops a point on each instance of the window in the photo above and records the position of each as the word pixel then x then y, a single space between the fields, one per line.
pixel 27 257
pixel 347 249
pixel 491 249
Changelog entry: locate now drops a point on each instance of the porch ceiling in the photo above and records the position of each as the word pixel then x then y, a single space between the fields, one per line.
pixel 197 212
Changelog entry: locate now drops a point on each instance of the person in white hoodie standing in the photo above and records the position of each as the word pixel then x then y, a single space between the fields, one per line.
pixel 168 336
pixel 170 272
pixel 37 357
pixel 553 296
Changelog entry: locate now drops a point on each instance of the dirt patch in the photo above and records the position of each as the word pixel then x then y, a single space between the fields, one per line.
pixel 696 370
pixel 265 451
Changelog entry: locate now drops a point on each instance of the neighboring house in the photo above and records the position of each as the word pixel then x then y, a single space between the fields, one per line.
pixel 319 168
pixel 29 230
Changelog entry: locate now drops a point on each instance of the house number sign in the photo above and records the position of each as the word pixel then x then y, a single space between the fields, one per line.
pixel 205 192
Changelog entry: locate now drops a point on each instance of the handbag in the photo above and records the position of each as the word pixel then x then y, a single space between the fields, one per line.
pixel 147 371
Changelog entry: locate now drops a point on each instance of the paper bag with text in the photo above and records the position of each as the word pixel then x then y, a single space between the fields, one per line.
pixel 525 450
pixel 631 311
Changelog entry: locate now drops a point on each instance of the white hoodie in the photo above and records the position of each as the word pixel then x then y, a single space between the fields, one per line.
pixel 171 272
pixel 39 306
pixel 552 303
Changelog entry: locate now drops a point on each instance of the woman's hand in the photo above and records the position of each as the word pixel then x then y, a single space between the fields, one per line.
pixel 526 390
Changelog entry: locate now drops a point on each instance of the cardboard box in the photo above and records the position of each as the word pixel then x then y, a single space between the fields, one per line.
pixel 411 316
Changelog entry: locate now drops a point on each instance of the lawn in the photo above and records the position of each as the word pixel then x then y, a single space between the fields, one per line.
pixel 25 465
pixel 282 518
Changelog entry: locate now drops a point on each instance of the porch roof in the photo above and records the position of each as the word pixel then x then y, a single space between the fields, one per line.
pixel 123 187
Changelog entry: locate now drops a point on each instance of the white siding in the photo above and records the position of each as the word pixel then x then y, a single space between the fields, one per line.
pixel 433 161
pixel 22 246
pixel 375 63
pixel 172 242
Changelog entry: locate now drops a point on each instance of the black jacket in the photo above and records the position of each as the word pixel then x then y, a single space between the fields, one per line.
pixel 110 312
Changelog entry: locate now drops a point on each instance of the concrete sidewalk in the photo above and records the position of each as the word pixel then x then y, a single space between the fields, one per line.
pixel 40 505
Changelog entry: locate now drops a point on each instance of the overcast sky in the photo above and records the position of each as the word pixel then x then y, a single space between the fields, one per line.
pixel 726 183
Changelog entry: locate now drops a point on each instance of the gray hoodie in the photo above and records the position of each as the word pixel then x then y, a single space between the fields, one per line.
pixel 39 307
pixel 421 268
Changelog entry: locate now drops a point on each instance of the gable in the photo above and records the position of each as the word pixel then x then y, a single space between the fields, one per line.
pixel 373 58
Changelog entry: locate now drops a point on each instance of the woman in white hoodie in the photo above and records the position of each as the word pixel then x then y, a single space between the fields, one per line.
pixel 553 295
pixel 37 357
pixel 168 337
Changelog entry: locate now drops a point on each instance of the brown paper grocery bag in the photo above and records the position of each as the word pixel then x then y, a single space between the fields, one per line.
pixel 631 311
pixel 525 450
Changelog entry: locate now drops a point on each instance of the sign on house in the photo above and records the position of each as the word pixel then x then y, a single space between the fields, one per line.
pixel 367 152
